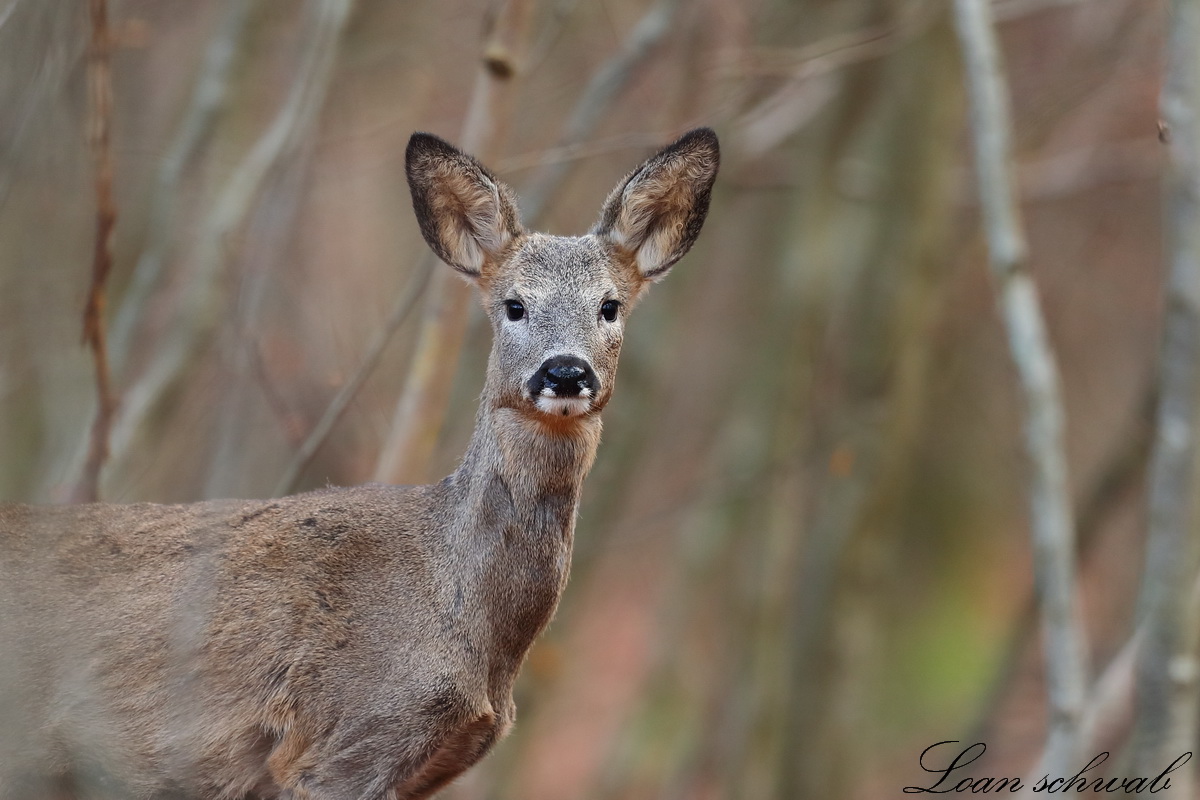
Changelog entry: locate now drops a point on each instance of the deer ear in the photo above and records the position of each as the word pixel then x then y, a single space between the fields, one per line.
pixel 655 214
pixel 466 214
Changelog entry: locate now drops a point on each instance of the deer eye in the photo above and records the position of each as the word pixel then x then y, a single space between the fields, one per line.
pixel 514 309
pixel 608 310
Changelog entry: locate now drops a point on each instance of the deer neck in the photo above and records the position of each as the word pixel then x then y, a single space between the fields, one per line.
pixel 516 493
pixel 520 470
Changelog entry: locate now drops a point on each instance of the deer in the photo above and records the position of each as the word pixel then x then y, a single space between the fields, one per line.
pixel 356 643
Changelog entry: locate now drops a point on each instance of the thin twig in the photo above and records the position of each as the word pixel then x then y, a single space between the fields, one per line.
pixel 421 408
pixel 1167 681
pixel 606 84
pixel 6 15
pixel 201 298
pixel 577 151
pixel 1007 10
pixel 1123 471
pixel 559 13
pixel 840 50
pixel 100 139
pixel 1111 708
pixel 290 423
pixel 266 233
pixel 1062 174
pixel 61 53
pixel 1051 517
pixel 813 74
pixel 852 47
pixel 405 303
pixel 204 109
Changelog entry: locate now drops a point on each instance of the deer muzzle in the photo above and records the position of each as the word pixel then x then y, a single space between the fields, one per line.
pixel 564 386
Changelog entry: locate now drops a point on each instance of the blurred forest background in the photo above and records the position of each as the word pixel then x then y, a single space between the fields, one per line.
pixel 804 552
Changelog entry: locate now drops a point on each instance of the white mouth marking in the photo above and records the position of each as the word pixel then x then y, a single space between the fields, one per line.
pixel 549 403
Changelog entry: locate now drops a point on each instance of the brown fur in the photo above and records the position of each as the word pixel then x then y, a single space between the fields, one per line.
pixel 346 643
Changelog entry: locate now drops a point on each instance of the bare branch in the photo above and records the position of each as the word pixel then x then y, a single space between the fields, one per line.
pixel 204 109
pixel 1111 708
pixel 404 305
pixel 1124 469
pixel 1110 705
pixel 58 61
pixel 1091 167
pixel 813 74
pixel 1167 686
pixel 871 42
pixel 560 12
pixel 421 409
pixel 264 236
pixel 606 84
pixel 199 310
pixel 577 151
pixel 1051 518
pixel 100 140
pixel 291 425
pixel 6 15
pixel 841 50
pixel 1007 10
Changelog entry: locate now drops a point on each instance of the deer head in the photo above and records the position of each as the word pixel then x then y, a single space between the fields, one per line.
pixel 558 304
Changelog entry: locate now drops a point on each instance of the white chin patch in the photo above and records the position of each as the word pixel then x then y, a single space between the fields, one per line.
pixel 549 403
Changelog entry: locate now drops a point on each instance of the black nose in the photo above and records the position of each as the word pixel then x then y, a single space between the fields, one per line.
pixel 563 376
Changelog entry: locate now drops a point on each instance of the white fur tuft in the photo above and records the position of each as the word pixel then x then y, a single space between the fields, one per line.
pixel 562 406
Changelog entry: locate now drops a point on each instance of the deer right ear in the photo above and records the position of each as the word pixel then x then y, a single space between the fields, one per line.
pixel 655 214
pixel 466 214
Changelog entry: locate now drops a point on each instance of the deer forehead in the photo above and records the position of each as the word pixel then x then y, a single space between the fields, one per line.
pixel 559 269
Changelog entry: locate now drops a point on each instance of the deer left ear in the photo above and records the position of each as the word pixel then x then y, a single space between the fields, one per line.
pixel 655 214
pixel 466 214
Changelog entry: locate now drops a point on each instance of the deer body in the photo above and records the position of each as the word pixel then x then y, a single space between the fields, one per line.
pixel 344 643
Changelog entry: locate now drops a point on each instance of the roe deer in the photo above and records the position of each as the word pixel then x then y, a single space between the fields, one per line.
pixel 356 643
